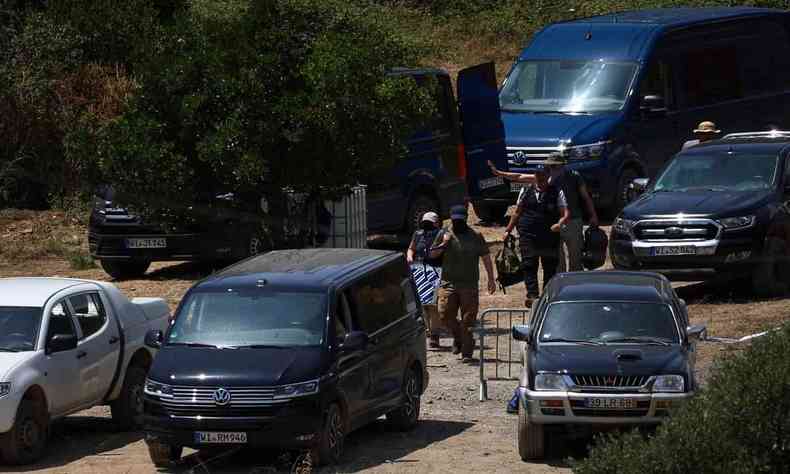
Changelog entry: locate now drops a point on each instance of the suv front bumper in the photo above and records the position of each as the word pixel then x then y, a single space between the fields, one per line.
pixel 651 409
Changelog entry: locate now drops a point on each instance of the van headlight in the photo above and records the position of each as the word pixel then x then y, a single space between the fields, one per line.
pixel 623 226
pixel 592 150
pixel 669 383
pixel 297 390
pixel 741 222
pixel 5 388
pixel 552 382
pixel 156 389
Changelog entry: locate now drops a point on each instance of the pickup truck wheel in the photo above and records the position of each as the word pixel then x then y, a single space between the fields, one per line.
pixel 769 277
pixel 406 417
pixel 329 447
pixel 164 455
pixel 531 438
pixel 127 410
pixel 27 439
pixel 624 193
pixel 126 269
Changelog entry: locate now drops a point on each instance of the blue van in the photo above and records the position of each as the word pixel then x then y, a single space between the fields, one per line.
pixel 618 94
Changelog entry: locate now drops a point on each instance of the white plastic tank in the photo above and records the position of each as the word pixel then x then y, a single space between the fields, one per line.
pixel 349 223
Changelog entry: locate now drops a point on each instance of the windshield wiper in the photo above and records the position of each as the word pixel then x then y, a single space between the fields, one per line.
pixel 573 341
pixel 256 346
pixel 5 349
pixel 191 344
pixel 643 339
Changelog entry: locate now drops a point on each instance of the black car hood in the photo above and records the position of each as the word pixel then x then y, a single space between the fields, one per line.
pixel 703 203
pixel 610 360
pixel 236 367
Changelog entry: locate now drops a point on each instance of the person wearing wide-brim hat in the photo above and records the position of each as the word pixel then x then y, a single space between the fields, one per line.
pixel 705 131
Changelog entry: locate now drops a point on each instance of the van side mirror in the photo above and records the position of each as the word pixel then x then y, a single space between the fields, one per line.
pixel 154 338
pixel 697 333
pixel 653 106
pixel 354 341
pixel 521 333
pixel 61 343
pixel 638 187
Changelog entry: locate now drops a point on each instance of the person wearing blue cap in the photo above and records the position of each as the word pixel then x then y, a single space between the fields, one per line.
pixel 461 248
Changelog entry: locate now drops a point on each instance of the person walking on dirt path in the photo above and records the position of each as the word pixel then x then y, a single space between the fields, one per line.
pixel 540 214
pixel 461 249
pixel 427 271
pixel 578 200
pixel 705 132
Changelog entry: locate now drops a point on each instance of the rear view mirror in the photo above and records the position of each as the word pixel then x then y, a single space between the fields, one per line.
pixel 653 106
pixel 521 333
pixel 354 341
pixel 697 333
pixel 61 343
pixel 154 338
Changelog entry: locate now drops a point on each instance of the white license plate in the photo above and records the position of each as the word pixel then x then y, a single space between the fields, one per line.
pixel 146 243
pixel 610 403
pixel 516 187
pixel 674 250
pixel 220 437
pixel 491 182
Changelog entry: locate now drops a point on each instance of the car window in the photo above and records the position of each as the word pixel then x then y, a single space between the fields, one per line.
pixel 710 75
pixel 60 321
pixel 19 328
pixel 379 298
pixel 89 312
pixel 658 81
pixel 342 320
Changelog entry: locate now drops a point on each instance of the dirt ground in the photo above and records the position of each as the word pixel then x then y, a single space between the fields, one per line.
pixel 457 432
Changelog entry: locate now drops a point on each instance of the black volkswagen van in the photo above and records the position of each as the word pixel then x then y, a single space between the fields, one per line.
pixel 293 349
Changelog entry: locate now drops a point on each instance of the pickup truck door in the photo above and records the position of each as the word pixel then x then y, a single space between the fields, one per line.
pixel 61 368
pixel 98 348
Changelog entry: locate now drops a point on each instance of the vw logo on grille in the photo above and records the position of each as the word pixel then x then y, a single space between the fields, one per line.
pixel 519 157
pixel 673 231
pixel 221 397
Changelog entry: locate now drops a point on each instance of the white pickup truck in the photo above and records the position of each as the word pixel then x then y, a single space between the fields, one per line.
pixel 67 345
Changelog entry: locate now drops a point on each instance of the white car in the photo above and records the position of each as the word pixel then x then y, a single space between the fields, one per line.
pixel 67 345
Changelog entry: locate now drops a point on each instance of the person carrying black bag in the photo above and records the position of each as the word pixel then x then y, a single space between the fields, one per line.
pixel 427 271
pixel 539 216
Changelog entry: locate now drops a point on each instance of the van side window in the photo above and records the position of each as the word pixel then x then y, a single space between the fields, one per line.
pixel 342 321
pixel 765 69
pixel 710 75
pixel 658 81
pixel 379 299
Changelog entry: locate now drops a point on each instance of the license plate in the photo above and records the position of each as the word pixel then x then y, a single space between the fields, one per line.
pixel 491 182
pixel 220 437
pixel 675 250
pixel 146 243
pixel 516 187
pixel 610 403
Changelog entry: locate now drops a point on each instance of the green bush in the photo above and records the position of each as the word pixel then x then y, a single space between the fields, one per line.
pixel 740 423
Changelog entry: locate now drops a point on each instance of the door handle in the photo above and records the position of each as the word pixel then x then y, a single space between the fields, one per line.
pixel 114 339
pixel 81 354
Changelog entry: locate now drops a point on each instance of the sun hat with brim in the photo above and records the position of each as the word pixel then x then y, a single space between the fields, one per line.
pixel 555 160
pixel 458 212
pixel 431 217
pixel 707 127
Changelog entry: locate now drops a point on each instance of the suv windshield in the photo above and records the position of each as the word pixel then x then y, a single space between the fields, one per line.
pixel 567 86
pixel 250 318
pixel 609 322
pixel 719 173
pixel 18 328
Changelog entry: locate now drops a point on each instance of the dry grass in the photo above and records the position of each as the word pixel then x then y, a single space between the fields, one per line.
pixel 29 236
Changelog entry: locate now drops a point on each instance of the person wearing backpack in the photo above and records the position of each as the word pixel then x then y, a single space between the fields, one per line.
pixel 540 214
pixel 427 271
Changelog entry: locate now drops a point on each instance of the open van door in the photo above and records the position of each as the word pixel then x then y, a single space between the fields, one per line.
pixel 484 139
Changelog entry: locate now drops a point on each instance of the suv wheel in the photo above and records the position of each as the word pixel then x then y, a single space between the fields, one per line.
pixel 27 439
pixel 531 438
pixel 125 269
pixel 406 417
pixel 770 276
pixel 420 205
pixel 624 193
pixel 329 447
pixel 127 410
pixel 164 455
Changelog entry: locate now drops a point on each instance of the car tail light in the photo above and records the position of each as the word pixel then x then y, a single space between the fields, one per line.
pixel 461 161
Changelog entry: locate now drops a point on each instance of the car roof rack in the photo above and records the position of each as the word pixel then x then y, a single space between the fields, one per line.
pixel 766 134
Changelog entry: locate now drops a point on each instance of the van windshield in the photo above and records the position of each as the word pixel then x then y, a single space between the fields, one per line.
pixel 719 173
pixel 250 318
pixel 567 86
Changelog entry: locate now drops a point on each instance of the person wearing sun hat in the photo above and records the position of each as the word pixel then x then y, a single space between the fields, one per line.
pixel 705 132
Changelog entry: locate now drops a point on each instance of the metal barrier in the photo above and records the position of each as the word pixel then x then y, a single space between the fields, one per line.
pixel 496 315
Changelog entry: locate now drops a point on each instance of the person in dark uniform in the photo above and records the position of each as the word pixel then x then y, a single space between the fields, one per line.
pixel 540 214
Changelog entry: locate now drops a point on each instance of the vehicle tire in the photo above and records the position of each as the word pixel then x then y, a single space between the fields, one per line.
pixel 531 438
pixel 405 418
pixel 126 269
pixel 164 455
pixel 329 446
pixel 624 194
pixel 421 204
pixel 769 277
pixel 127 410
pixel 26 441
pixel 491 213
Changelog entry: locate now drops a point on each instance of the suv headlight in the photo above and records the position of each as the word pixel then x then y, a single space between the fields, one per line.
pixel 553 382
pixel 297 390
pixel 581 152
pixel 669 383
pixel 5 388
pixel 623 226
pixel 156 389
pixel 741 222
